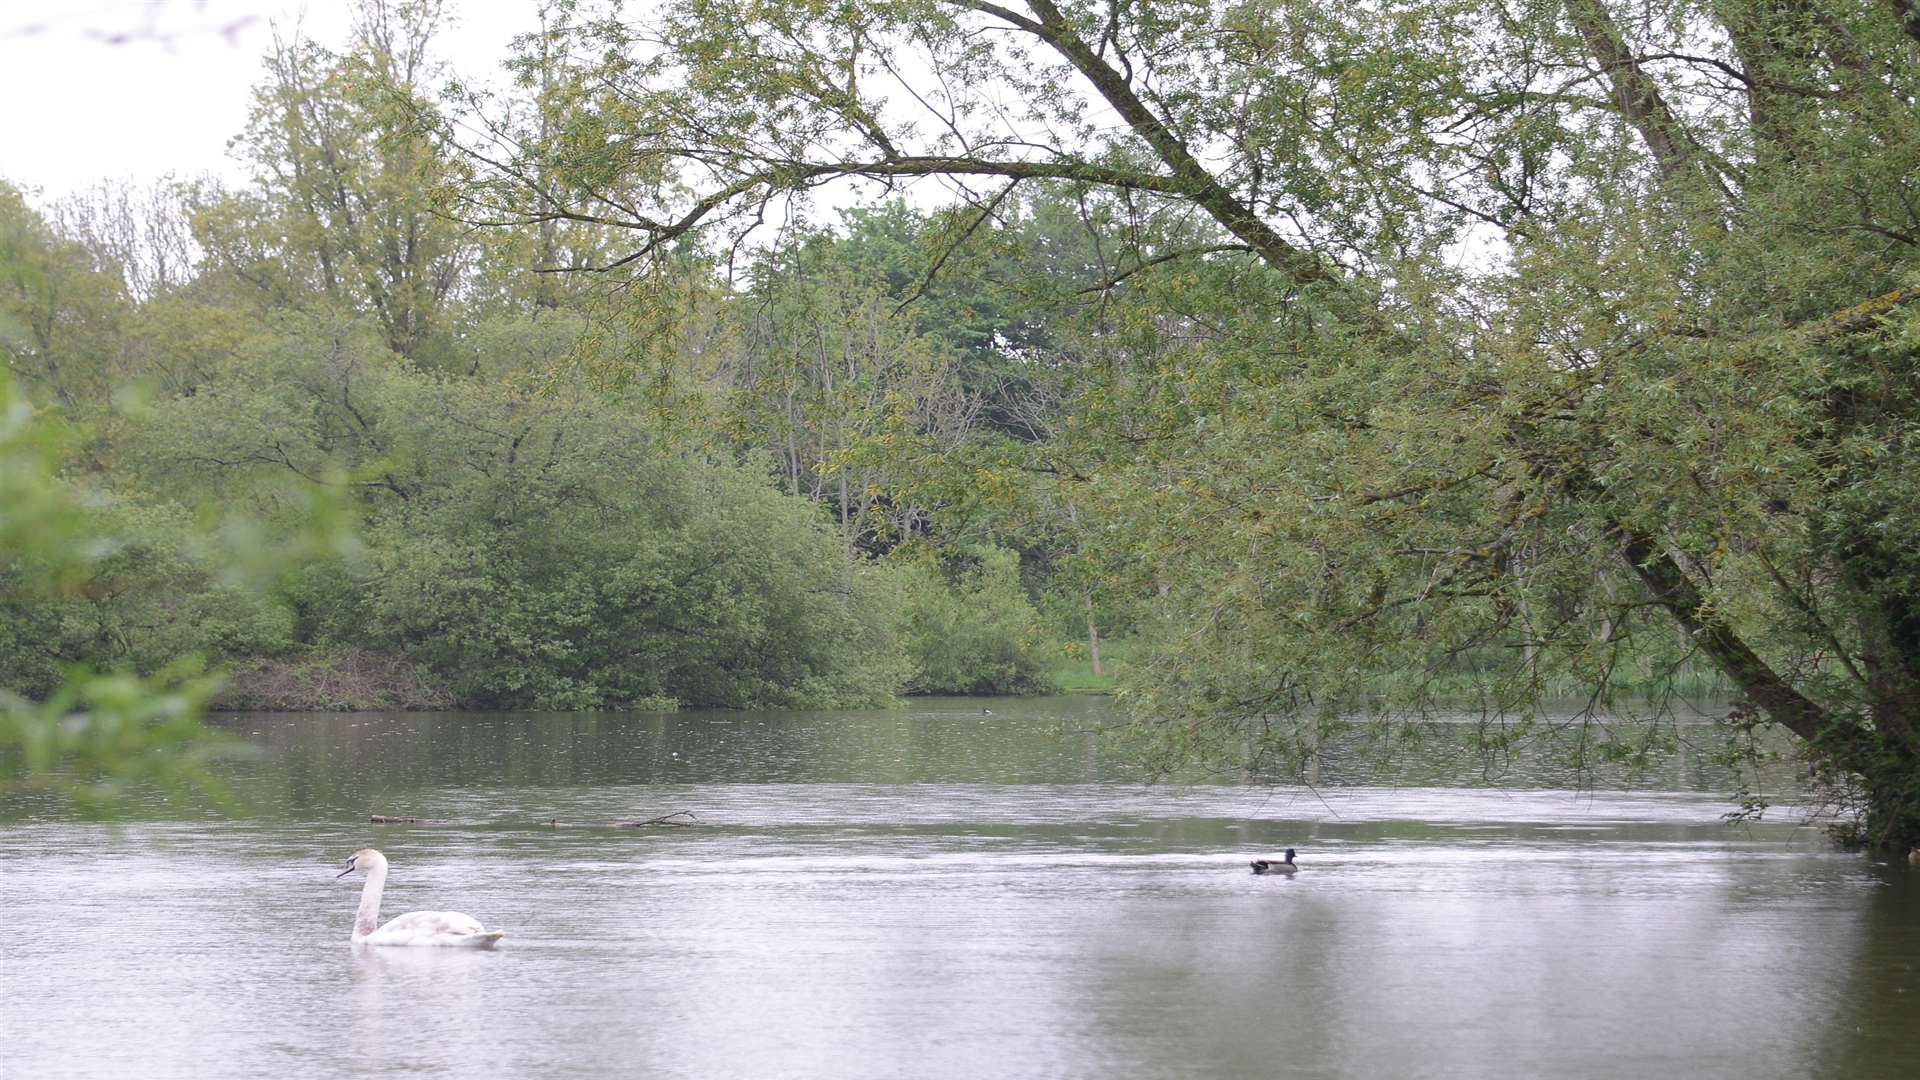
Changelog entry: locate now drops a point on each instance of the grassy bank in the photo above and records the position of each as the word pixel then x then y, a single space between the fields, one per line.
pixel 1074 672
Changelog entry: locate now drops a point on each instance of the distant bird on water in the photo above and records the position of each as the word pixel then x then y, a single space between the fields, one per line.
pixel 1275 866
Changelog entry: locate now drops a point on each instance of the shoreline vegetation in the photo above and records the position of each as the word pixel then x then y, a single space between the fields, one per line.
pixel 1207 382
pixel 356 680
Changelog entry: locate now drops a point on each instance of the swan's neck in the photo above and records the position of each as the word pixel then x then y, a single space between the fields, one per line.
pixel 367 919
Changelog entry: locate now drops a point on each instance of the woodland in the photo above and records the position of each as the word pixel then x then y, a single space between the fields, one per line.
pixel 1346 362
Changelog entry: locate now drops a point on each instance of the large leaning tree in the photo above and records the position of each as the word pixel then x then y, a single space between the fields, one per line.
pixel 1533 331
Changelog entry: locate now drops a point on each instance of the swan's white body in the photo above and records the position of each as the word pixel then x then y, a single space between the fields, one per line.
pixel 438 928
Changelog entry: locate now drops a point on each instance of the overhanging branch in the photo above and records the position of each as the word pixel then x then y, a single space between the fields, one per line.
pixel 1682 599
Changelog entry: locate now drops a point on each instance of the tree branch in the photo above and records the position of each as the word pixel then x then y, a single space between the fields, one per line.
pixel 1908 13
pixel 1674 591
pixel 1123 275
pixel 1196 183
pixel 1635 93
pixel 933 270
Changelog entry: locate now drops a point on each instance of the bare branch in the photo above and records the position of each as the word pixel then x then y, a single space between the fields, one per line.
pixel 1115 279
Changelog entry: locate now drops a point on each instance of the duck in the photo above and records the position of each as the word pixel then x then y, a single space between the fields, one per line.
pixel 1275 866
pixel 436 928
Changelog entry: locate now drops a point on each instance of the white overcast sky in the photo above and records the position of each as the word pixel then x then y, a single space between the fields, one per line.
pixel 77 106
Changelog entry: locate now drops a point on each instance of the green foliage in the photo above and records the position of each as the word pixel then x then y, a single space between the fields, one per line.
pixel 1409 362
pixel 99 738
pixel 540 550
pixel 1074 671
pixel 153 593
pixel 345 215
pixel 61 317
pixel 972 628
pixel 91 737
pixel 616 576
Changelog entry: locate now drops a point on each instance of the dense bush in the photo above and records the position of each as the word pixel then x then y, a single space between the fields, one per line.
pixel 536 551
pixel 682 581
pixel 973 629
pixel 150 597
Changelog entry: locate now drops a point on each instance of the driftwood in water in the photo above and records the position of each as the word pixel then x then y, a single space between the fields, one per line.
pixel 678 818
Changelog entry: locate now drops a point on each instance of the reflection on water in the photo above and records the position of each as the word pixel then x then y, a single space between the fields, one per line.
pixel 937 893
pixel 323 758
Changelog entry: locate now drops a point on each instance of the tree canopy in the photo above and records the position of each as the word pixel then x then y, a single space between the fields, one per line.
pixel 1533 339
pixel 1355 360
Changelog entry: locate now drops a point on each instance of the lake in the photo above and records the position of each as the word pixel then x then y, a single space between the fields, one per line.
pixel 937 892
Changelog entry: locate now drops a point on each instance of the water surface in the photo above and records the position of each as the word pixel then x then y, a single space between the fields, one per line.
pixel 934 892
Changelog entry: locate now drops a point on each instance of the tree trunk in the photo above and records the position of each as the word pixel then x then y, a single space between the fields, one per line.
pixel 1093 637
pixel 1873 744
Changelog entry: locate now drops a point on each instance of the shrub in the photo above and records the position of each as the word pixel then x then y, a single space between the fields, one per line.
pixel 973 629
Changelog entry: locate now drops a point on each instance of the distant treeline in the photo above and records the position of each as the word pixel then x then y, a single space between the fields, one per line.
pixel 1343 362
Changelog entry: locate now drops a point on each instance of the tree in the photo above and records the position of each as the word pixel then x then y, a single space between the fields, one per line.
pixel 342 209
pixel 821 369
pixel 140 234
pixel 61 315
pixel 86 737
pixel 1504 328
pixel 972 629
pixel 525 549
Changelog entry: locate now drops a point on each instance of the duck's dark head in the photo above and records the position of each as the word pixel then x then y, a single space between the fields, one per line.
pixel 1289 854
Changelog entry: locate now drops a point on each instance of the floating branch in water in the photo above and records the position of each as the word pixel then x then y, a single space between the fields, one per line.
pixel 677 819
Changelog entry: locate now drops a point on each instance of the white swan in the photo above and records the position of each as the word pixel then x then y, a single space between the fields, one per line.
pixel 448 928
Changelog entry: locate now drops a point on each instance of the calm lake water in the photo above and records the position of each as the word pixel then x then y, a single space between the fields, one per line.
pixel 933 892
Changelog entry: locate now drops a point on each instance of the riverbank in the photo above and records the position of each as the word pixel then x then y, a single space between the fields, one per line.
pixel 362 680
pixel 351 680
pixel 1074 672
